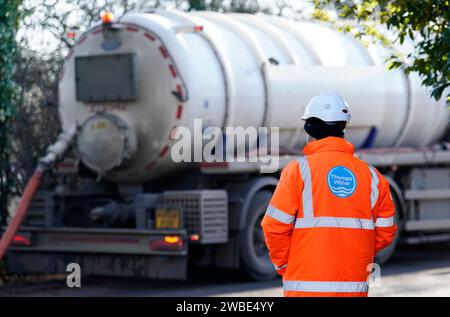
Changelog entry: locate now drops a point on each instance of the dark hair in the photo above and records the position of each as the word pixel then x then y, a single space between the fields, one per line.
pixel 320 129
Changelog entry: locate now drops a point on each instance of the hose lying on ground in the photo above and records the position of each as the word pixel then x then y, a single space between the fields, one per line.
pixel 54 153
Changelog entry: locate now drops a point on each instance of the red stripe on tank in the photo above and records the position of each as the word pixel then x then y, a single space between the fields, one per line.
pixel 149 36
pixel 179 111
pixel 132 29
pixel 173 71
pixel 163 52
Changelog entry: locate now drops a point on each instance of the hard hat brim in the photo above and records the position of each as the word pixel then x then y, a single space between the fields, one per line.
pixel 328 117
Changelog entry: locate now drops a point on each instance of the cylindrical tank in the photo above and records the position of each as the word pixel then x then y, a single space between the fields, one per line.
pixel 233 70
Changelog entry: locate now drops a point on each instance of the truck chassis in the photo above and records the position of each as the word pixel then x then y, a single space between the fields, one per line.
pixel 111 229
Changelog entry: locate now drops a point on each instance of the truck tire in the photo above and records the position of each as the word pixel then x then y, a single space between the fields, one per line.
pixel 385 254
pixel 253 251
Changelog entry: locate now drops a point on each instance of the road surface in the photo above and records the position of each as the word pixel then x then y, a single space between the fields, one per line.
pixel 413 271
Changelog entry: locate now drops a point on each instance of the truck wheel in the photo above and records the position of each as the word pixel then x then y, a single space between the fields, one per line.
pixel 253 250
pixel 385 254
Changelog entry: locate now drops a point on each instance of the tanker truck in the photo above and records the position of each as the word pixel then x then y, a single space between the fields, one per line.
pixel 119 204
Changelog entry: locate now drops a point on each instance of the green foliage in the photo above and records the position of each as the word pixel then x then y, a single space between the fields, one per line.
pixel 197 5
pixel 425 23
pixel 9 17
pixel 242 6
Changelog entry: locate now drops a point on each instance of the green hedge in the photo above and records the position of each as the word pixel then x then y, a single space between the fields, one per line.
pixel 9 19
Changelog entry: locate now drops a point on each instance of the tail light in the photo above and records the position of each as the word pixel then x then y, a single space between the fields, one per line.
pixel 166 243
pixel 195 237
pixel 21 240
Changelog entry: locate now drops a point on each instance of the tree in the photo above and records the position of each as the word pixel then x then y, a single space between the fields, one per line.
pixel 9 19
pixel 425 23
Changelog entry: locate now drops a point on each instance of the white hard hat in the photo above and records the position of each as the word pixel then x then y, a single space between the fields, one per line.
pixel 327 106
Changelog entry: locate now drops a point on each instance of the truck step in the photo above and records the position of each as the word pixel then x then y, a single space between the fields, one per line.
pixel 427 225
pixel 428 238
pixel 427 194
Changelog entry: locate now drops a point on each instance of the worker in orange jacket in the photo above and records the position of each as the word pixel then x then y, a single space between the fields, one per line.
pixel 330 213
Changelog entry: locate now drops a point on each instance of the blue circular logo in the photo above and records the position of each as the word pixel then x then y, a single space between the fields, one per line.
pixel 341 181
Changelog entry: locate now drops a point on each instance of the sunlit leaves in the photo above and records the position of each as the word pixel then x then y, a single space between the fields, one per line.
pixel 425 23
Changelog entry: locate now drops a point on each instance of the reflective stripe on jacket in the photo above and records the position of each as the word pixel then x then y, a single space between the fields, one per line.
pixel 329 215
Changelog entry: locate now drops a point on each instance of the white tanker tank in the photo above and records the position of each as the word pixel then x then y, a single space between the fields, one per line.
pixel 127 85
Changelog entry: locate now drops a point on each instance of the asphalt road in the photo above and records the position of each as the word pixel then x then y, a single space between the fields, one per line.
pixel 413 271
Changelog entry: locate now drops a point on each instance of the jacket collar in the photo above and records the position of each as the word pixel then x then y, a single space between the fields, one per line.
pixel 330 143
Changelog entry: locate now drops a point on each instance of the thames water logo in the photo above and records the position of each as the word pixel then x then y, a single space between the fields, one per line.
pixel 341 181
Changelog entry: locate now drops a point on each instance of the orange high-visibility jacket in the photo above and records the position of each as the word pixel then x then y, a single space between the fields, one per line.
pixel 330 214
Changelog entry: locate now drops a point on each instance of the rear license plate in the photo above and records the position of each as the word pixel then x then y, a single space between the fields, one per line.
pixel 168 218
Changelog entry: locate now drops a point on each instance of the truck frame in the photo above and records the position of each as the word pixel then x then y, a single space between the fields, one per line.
pixel 113 230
